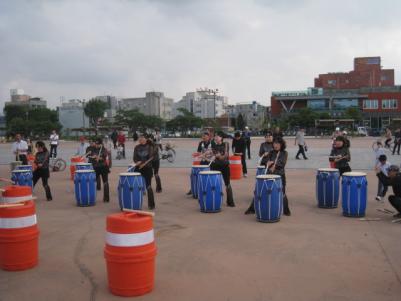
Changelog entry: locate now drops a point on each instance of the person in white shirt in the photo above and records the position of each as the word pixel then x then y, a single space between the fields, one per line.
pixel 53 144
pixel 383 165
pixel 81 150
pixel 20 149
pixel 300 139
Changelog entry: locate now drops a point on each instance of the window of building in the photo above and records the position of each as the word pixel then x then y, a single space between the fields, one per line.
pixel 383 77
pixel 331 82
pixel 389 104
pixel 345 103
pixel 370 104
pixel 317 104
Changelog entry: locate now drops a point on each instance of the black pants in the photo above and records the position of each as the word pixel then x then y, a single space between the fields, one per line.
pixel 123 145
pixel 395 201
pixel 53 151
pixel 43 174
pixel 397 145
pixel 147 173
pixel 301 151
pixel 387 142
pixel 248 147
pixel 102 173
pixel 224 168
pixel 344 169
pixel 23 159
pixel 115 144
pixel 243 162
pixel 156 166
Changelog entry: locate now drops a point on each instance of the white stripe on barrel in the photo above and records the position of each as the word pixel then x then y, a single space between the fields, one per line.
pixel 130 240
pixel 235 162
pixel 18 222
pixel 16 199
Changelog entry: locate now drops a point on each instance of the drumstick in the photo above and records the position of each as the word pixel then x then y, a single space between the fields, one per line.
pixel 370 219
pixel 140 212
pixel 274 164
pixel 384 211
pixel 398 220
pixel 11 205
pixel 146 163
pixel 6 180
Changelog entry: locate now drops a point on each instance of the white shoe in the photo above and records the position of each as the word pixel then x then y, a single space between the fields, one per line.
pixel 379 199
pixel 245 175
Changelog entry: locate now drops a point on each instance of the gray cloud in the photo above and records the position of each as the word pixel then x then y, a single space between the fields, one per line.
pixel 246 49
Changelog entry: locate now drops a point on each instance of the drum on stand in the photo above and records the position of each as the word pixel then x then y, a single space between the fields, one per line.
pixel 327 187
pixel 354 190
pixel 268 198
pixel 131 188
pixel 85 187
pixel 22 177
pixel 210 193
pixel 195 170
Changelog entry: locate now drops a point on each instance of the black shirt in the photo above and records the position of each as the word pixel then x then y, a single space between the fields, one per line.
pixel 239 146
pixel 280 163
pixel 393 182
pixel 204 146
pixel 42 158
pixel 221 149
pixel 341 152
pixel 143 152
pixel 265 147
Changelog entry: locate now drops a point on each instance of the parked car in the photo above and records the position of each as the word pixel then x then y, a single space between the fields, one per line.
pixel 375 132
pixel 362 131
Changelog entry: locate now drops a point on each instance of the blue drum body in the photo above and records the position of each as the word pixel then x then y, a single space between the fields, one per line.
pixel 260 170
pixel 131 188
pixel 196 169
pixel 210 193
pixel 85 187
pixel 327 187
pixel 354 194
pixel 83 166
pixel 268 198
pixel 25 167
pixel 22 177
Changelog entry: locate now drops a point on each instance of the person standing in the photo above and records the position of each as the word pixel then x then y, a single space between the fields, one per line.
pixel 99 161
pixel 397 141
pixel 53 144
pixel 90 155
pixel 143 157
pixel 121 141
pixel 340 155
pixel 383 165
pixel 113 137
pixel 83 145
pixel 393 179
pixel 42 168
pixel 247 137
pixel 205 148
pixel 221 163
pixel 277 133
pixel 20 149
pixel 389 136
pixel 265 148
pixel 300 139
pixel 156 141
pixel 239 148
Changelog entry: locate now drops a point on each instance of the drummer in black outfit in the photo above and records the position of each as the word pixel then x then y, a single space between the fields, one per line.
pixel 265 148
pixel 98 158
pixel 155 140
pixel 143 157
pixel 221 163
pixel 89 153
pixel 42 168
pixel 239 148
pixel 276 161
pixel 205 147
pixel 340 155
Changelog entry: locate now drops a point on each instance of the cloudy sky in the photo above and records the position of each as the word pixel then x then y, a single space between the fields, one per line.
pixel 246 49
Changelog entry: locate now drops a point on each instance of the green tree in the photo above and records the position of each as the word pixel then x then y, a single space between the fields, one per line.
pixel 353 113
pixel 240 122
pixel 19 125
pixel 15 111
pixel 184 122
pixel 131 118
pixel 95 109
pixel 305 117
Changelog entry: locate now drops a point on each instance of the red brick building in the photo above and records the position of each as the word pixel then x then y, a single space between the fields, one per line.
pixel 368 87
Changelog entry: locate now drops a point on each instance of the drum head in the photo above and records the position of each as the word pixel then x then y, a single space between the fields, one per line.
pixel 268 177
pixel 21 170
pixel 84 171
pixel 130 174
pixel 261 167
pixel 210 172
pixel 354 174
pixel 328 169
pixel 199 166
pixel 83 164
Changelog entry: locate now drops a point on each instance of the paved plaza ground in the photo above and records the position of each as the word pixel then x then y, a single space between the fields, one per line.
pixel 313 255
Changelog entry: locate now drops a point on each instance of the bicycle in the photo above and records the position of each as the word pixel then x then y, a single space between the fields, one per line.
pixel 57 164
pixel 168 153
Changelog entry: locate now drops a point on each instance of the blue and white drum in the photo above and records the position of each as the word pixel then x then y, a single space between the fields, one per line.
pixel 22 177
pixel 24 167
pixel 268 198
pixel 354 194
pixel 210 193
pixel 85 187
pixel 83 166
pixel 327 187
pixel 131 168
pixel 260 170
pixel 196 169
pixel 131 188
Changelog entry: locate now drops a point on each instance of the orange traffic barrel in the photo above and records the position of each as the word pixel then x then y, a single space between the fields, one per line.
pixel 31 161
pixel 15 194
pixel 130 253
pixel 74 161
pixel 235 167
pixel 19 236
pixel 196 160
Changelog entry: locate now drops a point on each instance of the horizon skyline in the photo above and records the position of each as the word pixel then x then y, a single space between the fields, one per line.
pixel 246 49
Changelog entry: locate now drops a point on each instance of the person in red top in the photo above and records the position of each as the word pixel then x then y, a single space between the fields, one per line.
pixel 121 141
